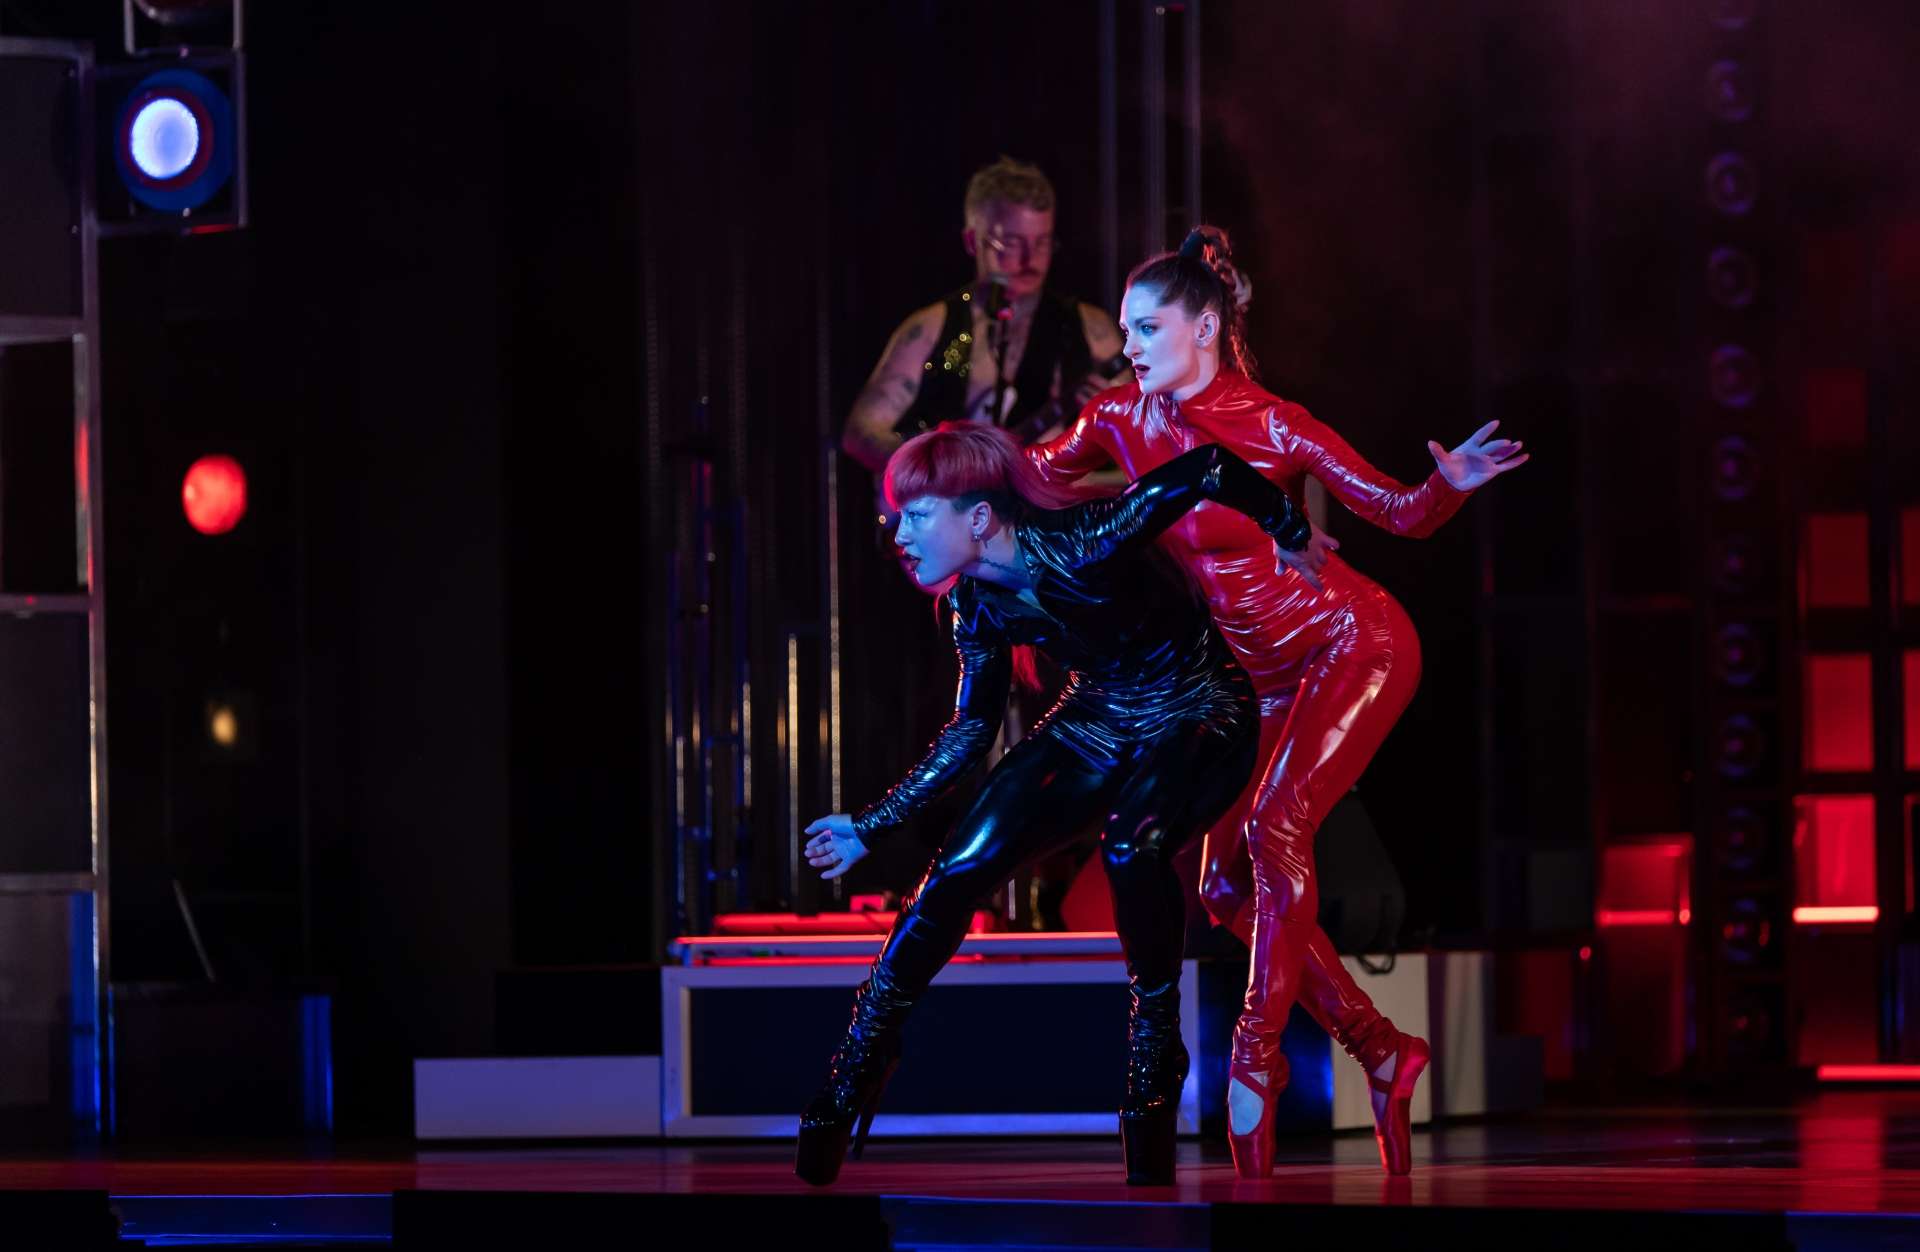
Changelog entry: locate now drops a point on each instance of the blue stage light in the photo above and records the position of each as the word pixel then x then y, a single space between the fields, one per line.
pixel 164 138
pixel 176 140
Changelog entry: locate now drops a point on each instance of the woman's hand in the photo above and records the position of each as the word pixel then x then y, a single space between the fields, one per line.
pixel 1308 561
pixel 834 847
pixel 1479 460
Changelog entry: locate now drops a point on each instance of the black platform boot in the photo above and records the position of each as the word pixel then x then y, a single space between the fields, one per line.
pixel 1156 1071
pixel 844 1107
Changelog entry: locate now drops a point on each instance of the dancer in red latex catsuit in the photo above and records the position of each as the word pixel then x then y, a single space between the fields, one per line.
pixel 1334 658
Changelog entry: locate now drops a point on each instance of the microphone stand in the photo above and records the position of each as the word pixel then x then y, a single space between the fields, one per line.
pixel 999 331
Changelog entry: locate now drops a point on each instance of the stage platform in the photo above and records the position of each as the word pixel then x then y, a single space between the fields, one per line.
pixel 1840 1170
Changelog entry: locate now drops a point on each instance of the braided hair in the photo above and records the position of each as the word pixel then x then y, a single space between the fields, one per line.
pixel 1199 276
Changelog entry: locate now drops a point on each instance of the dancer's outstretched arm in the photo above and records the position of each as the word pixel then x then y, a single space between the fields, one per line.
pixel 1077 451
pixel 1101 529
pixel 1303 441
pixel 980 702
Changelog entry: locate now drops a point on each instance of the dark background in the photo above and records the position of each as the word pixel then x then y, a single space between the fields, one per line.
pixel 496 266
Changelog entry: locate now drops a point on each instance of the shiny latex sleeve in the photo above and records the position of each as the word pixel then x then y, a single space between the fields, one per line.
pixel 1279 437
pixel 1076 451
pixel 1161 497
pixel 1309 445
pixel 980 702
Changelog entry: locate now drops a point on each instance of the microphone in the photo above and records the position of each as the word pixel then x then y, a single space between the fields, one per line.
pixel 999 304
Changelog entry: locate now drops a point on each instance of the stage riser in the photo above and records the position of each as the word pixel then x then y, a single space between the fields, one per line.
pixel 537 1098
pixel 1013 1048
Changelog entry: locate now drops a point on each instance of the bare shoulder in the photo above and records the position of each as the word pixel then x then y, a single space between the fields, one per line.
pixel 911 341
pixel 922 324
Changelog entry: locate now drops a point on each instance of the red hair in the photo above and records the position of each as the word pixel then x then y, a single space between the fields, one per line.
pixel 970 462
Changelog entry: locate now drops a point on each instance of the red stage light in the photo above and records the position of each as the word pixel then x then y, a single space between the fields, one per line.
pixel 1868 1073
pixel 1817 914
pixel 1838 721
pixel 1640 917
pixel 214 494
pixel 1833 855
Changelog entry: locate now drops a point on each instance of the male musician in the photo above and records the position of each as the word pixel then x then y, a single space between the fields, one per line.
pixel 942 364
pixel 1003 345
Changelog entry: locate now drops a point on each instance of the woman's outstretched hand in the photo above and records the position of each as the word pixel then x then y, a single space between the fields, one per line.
pixel 1308 561
pixel 834 847
pixel 1479 460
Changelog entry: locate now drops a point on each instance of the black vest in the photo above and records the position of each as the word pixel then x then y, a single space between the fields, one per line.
pixel 1056 341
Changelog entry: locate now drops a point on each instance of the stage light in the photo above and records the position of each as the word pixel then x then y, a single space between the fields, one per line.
pixel 1752 1019
pixel 1739 746
pixel 1736 470
pixel 1732 186
pixel 1747 935
pixel 223 725
pixel 184 12
pixel 163 140
pixel 1734 563
pixel 175 143
pixel 1610 918
pixel 1836 914
pixel 1868 1073
pixel 1734 376
pixel 1737 657
pixel 214 494
pixel 1729 91
pixel 1732 278
pixel 1731 14
pixel 1746 850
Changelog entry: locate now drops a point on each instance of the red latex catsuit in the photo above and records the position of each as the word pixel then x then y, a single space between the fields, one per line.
pixel 1334 669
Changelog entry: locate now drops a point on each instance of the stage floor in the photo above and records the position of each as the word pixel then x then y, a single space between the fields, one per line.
pixel 1817 1172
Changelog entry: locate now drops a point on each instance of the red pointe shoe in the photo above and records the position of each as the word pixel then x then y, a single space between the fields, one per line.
pixel 1253 1151
pixel 1393 1125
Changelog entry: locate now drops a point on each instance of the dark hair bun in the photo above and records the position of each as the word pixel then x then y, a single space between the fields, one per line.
pixel 1209 245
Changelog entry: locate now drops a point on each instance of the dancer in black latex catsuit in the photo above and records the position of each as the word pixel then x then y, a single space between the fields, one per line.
pixel 1155 733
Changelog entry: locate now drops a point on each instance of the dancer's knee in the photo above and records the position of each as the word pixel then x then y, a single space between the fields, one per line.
pixel 1142 845
pixel 951 892
pixel 1222 897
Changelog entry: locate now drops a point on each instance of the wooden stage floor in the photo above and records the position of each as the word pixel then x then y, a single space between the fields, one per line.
pixel 1841 1169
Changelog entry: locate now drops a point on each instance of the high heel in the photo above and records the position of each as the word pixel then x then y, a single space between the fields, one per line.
pixel 1148 1142
pixel 830 1123
pixel 843 1108
pixel 1157 1065
pixel 1393 1127
pixel 1253 1151
pixel 873 1106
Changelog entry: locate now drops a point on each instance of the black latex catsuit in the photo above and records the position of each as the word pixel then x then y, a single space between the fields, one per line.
pixel 1156 731
pixel 917 671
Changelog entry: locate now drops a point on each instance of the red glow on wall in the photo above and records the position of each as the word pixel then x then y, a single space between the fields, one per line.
pixel 1644 906
pixel 1839 713
pixel 1835 292
pixel 1646 882
pixel 1833 562
pixel 1836 414
pixel 1910 700
pixel 214 494
pixel 1534 994
pixel 1833 855
pixel 1637 917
